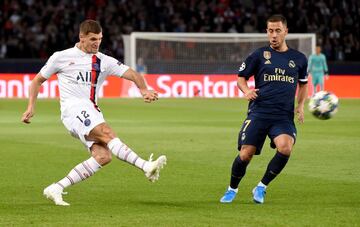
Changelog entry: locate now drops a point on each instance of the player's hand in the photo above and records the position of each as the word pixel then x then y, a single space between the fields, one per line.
pixel 251 94
pixel 149 95
pixel 29 113
pixel 326 76
pixel 299 111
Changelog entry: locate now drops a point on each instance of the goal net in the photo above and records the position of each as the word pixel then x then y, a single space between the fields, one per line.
pixel 199 53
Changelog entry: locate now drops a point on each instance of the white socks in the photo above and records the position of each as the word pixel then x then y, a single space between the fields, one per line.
pixel 81 172
pixel 232 189
pixel 124 153
pixel 87 168
pixel 261 184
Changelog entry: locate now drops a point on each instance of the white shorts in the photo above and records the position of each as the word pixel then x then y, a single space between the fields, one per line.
pixel 80 118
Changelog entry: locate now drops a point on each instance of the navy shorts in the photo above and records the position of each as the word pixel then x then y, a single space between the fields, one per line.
pixel 254 131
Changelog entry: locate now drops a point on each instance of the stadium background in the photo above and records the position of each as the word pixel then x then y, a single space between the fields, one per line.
pixel 32 30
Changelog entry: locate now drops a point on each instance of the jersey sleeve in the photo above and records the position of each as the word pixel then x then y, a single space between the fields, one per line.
pixel 51 67
pixel 326 70
pixel 248 67
pixel 309 64
pixel 115 67
pixel 303 74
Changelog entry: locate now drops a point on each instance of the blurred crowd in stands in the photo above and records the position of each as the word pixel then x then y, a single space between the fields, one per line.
pixel 37 28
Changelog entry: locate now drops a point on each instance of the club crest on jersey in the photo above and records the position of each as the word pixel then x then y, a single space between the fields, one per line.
pixel 267 56
pixel 96 66
pixel 242 67
pixel 87 122
pixel 243 136
pixel 292 64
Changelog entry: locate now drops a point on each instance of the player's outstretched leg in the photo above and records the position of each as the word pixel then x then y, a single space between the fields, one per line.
pixel 124 153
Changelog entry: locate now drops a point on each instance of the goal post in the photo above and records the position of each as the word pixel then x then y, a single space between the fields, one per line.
pixel 200 53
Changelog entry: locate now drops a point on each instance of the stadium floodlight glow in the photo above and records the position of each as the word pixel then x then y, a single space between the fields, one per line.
pixel 209 53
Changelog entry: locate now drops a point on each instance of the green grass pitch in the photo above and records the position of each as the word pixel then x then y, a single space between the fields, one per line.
pixel 319 186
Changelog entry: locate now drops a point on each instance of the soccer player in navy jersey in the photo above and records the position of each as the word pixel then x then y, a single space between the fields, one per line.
pixel 277 70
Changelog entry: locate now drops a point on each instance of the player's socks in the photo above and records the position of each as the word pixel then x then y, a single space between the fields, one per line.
pixel 124 153
pixel 275 166
pixel 261 184
pixel 237 171
pixel 81 172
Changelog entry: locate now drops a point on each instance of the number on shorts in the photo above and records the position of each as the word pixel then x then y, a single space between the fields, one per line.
pixel 84 115
pixel 246 123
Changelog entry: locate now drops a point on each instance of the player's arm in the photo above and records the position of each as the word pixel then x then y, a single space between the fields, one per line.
pixel 250 94
pixel 246 70
pixel 33 93
pixel 301 97
pixel 309 65
pixel 148 95
pixel 302 91
pixel 326 70
pixel 51 67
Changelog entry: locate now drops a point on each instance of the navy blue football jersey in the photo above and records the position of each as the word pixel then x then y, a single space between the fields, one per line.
pixel 276 76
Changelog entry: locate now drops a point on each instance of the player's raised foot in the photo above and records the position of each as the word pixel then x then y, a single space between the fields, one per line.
pixel 229 196
pixel 54 193
pixel 259 194
pixel 153 170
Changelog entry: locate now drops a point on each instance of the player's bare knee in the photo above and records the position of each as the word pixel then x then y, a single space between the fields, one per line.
pixel 247 152
pixel 246 156
pixel 101 154
pixel 103 158
pixel 107 134
pixel 285 149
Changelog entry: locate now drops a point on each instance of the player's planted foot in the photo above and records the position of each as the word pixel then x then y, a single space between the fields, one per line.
pixel 229 196
pixel 153 171
pixel 259 194
pixel 54 193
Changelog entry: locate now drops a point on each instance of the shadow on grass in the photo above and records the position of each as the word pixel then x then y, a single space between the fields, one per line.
pixel 193 203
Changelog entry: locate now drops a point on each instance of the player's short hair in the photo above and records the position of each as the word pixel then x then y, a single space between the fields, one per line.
pixel 88 26
pixel 277 18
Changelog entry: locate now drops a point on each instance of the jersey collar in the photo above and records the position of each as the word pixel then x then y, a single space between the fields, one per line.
pixel 80 52
pixel 288 48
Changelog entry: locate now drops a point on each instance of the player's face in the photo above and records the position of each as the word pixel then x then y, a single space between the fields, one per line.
pixel 90 43
pixel 276 32
pixel 318 50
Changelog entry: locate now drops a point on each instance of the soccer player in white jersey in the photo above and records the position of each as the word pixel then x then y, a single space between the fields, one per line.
pixel 81 70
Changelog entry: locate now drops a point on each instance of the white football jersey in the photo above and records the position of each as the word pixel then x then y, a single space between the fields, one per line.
pixel 80 75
